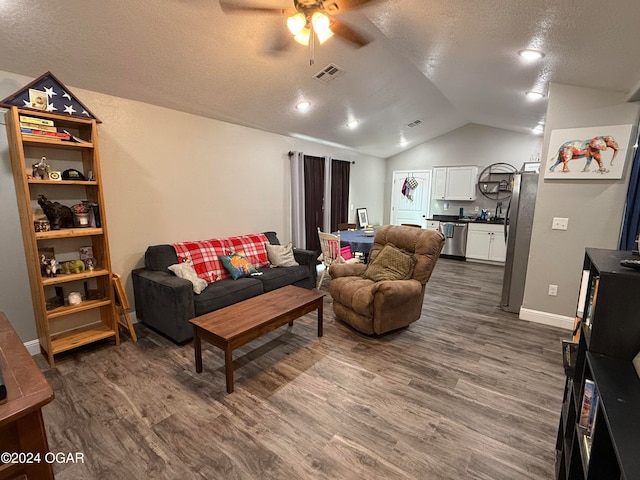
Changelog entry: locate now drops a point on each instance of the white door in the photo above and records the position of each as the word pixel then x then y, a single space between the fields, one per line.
pixel 414 207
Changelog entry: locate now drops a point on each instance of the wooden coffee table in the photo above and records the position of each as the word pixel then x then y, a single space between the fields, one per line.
pixel 238 324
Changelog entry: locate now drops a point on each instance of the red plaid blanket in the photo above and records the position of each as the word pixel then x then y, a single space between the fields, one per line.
pixel 204 254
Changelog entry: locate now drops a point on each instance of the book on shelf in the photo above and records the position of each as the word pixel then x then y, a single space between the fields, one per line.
pixel 36 120
pixel 591 305
pixel 44 128
pixel 582 296
pixel 589 402
pixel 591 424
pixel 73 138
pixel 35 132
pixel 569 354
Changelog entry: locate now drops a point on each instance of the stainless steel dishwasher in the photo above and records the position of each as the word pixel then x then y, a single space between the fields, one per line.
pixel 455 239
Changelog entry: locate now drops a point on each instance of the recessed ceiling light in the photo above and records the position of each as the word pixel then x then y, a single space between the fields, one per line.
pixel 353 123
pixel 530 54
pixel 534 95
pixel 537 130
pixel 303 105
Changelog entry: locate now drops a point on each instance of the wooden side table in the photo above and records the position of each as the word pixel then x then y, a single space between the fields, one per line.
pixel 21 424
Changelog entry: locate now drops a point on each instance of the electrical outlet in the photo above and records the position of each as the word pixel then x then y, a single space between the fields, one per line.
pixel 553 290
pixel 559 223
pixel 477 209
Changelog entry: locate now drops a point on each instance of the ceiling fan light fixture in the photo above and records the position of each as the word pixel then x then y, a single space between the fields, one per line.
pixel 320 22
pixel 296 23
pixel 303 36
pixel 324 36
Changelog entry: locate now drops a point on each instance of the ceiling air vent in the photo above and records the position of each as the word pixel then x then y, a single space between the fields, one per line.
pixel 415 123
pixel 329 73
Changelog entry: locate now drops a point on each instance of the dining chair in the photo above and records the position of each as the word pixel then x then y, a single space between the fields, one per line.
pixel 331 252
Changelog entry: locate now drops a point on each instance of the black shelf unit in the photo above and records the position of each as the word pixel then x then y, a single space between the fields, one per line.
pixel 610 338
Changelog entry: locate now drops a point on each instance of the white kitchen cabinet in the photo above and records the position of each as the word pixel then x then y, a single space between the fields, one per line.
pixel 439 183
pixel 433 225
pixel 455 183
pixel 486 242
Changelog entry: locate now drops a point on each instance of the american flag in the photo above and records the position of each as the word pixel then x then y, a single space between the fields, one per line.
pixel 48 94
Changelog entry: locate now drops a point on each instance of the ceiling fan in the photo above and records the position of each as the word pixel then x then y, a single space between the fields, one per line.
pixel 312 19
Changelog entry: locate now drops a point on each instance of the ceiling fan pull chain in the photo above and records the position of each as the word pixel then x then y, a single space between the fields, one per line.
pixel 311 46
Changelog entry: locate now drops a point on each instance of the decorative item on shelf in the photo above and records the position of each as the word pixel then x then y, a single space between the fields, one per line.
pixel 86 255
pixel 54 302
pixel 41 225
pixel 94 214
pixel 90 264
pixel 74 298
pixel 60 216
pixel 80 215
pixel 92 293
pixel 55 175
pixel 49 267
pixel 40 170
pixel 73 266
pixel 73 174
pixel 45 255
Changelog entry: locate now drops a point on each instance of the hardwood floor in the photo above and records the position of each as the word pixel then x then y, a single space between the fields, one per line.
pixel 466 392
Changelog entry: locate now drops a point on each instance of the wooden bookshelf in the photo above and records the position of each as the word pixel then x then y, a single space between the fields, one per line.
pixel 64 327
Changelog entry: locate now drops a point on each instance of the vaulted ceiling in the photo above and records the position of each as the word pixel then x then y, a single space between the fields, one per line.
pixel 432 63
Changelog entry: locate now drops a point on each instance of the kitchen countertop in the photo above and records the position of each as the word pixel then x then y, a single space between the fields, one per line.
pixel 493 221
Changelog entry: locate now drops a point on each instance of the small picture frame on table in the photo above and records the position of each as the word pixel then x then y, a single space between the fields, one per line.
pixel 363 218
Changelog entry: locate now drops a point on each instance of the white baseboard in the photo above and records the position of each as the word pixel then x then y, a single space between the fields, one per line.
pixel 546 318
pixel 33 346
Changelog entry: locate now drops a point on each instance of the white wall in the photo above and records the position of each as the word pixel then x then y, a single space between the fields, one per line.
pixel 594 208
pixel 468 145
pixel 170 176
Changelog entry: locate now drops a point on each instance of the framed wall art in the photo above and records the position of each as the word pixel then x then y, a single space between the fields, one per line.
pixel 590 153
pixel 363 218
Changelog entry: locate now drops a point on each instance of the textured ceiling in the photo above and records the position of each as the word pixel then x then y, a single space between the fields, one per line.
pixel 446 63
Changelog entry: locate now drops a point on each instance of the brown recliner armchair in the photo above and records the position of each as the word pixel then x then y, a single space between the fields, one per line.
pixel 376 307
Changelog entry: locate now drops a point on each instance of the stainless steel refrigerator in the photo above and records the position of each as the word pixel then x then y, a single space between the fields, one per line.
pixel 520 224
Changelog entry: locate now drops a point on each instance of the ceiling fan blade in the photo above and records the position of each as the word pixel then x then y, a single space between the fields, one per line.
pixel 232 8
pixel 344 5
pixel 349 34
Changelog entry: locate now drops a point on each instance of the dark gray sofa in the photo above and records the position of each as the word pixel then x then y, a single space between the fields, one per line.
pixel 166 302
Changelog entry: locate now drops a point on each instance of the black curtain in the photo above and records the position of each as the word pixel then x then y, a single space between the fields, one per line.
pixel 339 193
pixel 313 199
pixel 631 223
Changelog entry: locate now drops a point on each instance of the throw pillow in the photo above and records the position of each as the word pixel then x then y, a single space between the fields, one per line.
pixel 185 270
pixel 281 256
pixel 390 264
pixel 238 265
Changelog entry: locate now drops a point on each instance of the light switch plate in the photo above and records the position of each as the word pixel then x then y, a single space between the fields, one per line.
pixel 559 223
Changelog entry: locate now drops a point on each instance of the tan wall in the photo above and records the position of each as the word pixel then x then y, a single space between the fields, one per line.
pixel 594 208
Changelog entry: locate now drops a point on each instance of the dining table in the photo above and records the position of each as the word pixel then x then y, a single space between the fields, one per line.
pixel 357 240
